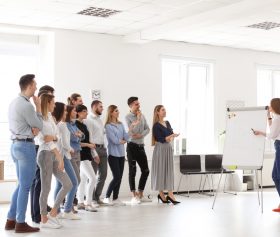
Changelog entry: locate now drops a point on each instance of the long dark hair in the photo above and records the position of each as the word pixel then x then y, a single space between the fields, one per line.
pixel 69 109
pixel 58 111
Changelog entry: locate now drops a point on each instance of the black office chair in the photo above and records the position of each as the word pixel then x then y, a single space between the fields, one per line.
pixel 213 165
pixel 190 165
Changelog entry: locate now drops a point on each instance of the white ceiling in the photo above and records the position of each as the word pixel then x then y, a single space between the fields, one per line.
pixel 214 22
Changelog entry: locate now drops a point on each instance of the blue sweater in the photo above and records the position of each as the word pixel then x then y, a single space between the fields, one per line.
pixel 115 133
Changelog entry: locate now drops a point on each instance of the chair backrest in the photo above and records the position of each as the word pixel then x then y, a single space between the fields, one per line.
pixel 190 163
pixel 213 162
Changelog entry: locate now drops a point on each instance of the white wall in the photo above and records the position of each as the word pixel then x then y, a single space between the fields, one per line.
pixel 85 61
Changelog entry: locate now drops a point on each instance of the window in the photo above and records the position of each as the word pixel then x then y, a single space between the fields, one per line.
pixel 187 94
pixel 268 87
pixel 16 59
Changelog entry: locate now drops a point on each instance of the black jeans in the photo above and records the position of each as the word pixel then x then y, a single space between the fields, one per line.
pixel 136 153
pixel 117 165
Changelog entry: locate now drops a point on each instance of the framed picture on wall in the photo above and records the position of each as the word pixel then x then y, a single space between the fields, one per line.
pixel 96 94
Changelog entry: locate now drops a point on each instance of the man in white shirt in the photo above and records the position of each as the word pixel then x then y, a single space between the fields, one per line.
pixel 96 136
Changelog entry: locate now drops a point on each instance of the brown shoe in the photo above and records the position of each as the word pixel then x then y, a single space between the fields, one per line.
pixel 25 228
pixel 10 224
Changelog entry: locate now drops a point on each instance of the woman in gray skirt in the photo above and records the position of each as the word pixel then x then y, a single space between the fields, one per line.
pixel 162 165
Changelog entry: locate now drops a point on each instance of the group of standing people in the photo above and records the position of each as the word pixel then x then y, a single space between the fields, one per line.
pixel 53 138
pixel 69 144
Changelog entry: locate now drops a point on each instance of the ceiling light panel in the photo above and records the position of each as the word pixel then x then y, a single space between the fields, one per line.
pixel 267 25
pixel 98 12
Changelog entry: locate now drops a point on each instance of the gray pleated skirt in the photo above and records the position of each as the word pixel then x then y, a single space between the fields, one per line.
pixel 162 175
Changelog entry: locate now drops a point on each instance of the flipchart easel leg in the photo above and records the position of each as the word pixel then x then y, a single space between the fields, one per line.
pixel 217 190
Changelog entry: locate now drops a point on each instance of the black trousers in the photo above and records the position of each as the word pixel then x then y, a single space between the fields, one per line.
pixel 136 154
pixel 117 166
pixel 35 191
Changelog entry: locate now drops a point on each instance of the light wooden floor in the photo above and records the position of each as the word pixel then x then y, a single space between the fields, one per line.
pixel 233 216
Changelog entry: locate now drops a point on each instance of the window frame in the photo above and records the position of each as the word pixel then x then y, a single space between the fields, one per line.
pixel 269 147
pixel 209 97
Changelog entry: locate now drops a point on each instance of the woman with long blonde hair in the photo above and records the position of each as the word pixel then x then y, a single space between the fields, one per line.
pixel 117 137
pixel 51 163
pixel 162 175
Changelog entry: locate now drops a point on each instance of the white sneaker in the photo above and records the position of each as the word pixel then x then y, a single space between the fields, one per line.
pixel 95 204
pixel 145 199
pixel 117 202
pixel 35 224
pixel 54 220
pixel 50 225
pixel 81 206
pixel 60 215
pixel 107 201
pixel 102 203
pixel 70 216
pixel 135 201
pixel 90 208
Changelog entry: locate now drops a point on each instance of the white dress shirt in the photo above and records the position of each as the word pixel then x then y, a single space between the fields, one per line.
pixel 49 128
pixel 63 143
pixel 275 128
pixel 96 129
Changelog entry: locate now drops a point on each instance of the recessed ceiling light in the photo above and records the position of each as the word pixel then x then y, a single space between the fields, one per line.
pixel 99 12
pixel 267 25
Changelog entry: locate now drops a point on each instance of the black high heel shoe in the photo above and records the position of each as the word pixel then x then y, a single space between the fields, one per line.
pixel 171 200
pixel 159 198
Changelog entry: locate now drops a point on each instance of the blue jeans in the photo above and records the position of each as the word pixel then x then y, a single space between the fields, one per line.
pixel 71 194
pixel 276 167
pixel 24 155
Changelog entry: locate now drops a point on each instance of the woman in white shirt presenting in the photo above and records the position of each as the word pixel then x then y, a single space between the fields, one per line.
pixel 65 150
pixel 50 162
pixel 273 117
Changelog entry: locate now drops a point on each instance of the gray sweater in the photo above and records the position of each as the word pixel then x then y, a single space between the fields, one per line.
pixel 142 127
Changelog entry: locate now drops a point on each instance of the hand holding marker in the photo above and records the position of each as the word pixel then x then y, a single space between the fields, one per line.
pixel 258 132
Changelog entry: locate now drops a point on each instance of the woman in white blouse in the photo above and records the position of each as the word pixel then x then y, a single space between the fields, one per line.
pixel 273 117
pixel 65 150
pixel 50 162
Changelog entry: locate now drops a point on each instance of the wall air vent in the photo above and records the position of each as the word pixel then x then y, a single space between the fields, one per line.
pixel 267 25
pixel 99 12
